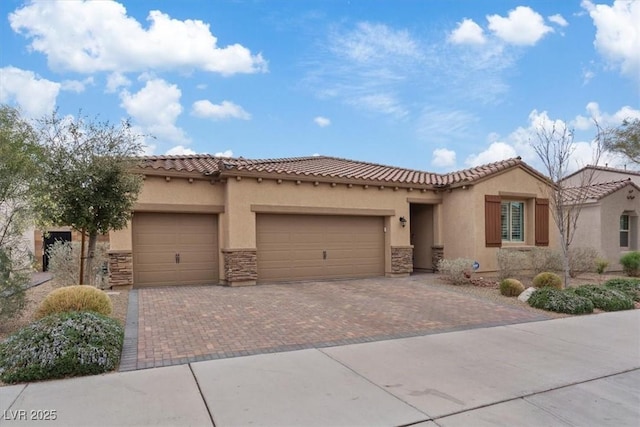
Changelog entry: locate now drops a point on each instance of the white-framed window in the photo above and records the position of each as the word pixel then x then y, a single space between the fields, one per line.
pixel 624 231
pixel 512 221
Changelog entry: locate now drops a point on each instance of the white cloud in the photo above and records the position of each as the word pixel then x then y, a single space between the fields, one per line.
pixel 523 26
pixel 558 19
pixel 180 150
pixel 226 153
pixel 223 111
pixel 618 34
pixel 322 121
pixel 443 158
pixel 385 103
pixel 156 108
pixel 604 119
pixel 442 125
pixel 468 32
pixel 76 86
pixel 115 81
pixel 495 152
pixel 371 41
pixel 81 37
pixel 36 96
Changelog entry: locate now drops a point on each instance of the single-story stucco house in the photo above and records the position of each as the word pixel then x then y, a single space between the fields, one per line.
pixel 608 219
pixel 206 220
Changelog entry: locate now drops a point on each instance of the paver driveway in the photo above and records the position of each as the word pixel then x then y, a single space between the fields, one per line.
pixel 192 323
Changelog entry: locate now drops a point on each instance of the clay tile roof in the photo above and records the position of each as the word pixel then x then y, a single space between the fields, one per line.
pixel 605 169
pixel 202 163
pixel 477 173
pixel 333 167
pixel 326 167
pixel 596 191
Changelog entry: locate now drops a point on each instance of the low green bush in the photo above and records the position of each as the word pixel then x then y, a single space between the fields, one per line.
pixel 61 345
pixel 631 287
pixel 631 263
pixel 75 298
pixel 551 299
pixel 606 299
pixel 547 279
pixel 511 287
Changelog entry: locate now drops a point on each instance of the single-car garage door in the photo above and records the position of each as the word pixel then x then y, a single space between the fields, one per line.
pixel 175 249
pixel 304 247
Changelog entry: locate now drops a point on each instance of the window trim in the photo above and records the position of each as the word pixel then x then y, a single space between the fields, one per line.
pixel 523 220
pixel 627 231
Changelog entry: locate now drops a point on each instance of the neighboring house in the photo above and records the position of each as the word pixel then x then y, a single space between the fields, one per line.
pixel 206 220
pixel 608 220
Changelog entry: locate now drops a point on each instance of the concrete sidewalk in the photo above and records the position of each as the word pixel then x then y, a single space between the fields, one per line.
pixel 572 371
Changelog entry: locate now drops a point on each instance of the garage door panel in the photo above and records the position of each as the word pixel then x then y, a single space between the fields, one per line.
pixel 291 247
pixel 158 237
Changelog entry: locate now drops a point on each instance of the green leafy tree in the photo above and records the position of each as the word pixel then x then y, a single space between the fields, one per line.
pixel 625 140
pixel 20 156
pixel 90 185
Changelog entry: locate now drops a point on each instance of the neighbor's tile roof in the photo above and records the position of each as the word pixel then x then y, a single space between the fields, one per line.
pixel 328 168
pixel 604 169
pixel 596 191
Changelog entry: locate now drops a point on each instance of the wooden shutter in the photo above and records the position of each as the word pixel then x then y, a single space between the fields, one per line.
pixel 492 221
pixel 542 222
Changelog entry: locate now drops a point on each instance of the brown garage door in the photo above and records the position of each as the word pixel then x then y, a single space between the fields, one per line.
pixel 175 249
pixel 303 247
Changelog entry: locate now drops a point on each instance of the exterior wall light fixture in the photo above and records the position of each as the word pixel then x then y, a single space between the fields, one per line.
pixel 403 221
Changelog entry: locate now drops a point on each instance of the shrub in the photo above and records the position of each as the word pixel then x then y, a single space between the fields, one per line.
pixel 12 285
pixel 511 263
pixel 64 262
pixel 606 299
pixel 511 287
pixel 601 265
pixel 61 345
pixel 456 271
pixel 545 259
pixel 630 287
pixel 552 299
pixel 582 260
pixel 75 298
pixel 547 279
pixel 631 263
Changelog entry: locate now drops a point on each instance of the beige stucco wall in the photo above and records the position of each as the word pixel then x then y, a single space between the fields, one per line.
pixel 464 222
pixel 602 176
pixel 612 207
pixel 174 195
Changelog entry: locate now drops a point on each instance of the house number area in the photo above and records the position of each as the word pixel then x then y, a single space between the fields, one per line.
pixel 30 415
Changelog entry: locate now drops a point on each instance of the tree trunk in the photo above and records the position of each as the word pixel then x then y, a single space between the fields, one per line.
pixel 566 267
pixel 88 272
pixel 82 258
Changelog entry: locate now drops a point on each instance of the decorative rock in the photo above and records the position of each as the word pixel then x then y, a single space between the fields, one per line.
pixel 524 296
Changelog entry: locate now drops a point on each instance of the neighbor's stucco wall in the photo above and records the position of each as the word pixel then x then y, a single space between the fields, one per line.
pixel 589 228
pixel 464 216
pixel 612 207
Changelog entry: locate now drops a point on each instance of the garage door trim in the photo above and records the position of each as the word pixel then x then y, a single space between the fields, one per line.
pixel 309 210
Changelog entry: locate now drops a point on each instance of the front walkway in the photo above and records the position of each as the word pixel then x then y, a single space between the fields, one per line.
pixel 177 325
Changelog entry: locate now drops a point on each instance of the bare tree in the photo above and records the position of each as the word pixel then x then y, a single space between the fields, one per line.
pixel 555 147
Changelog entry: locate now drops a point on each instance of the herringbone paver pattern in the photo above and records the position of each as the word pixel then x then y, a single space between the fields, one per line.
pixel 191 323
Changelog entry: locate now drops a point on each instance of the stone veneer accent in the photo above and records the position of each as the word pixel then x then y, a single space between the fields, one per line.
pixel 120 268
pixel 240 266
pixel 437 253
pixel 401 259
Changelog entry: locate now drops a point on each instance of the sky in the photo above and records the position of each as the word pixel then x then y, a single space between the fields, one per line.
pixel 436 85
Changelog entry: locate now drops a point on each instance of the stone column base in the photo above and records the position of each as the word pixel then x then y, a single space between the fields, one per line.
pixel 240 267
pixel 401 261
pixel 120 269
pixel 437 253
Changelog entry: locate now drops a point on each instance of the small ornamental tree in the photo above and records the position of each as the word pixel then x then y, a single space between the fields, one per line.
pixel 20 156
pixel 88 182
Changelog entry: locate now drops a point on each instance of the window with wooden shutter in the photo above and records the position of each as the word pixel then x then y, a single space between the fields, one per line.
pixel 492 221
pixel 542 222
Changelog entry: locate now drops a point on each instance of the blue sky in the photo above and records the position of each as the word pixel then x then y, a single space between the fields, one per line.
pixel 434 85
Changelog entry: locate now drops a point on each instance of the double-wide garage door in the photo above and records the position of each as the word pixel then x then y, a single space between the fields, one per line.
pixel 175 249
pixel 304 247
